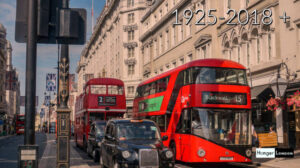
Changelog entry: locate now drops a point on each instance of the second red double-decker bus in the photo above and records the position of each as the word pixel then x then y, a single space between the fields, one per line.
pixel 103 98
pixel 204 109
pixel 20 123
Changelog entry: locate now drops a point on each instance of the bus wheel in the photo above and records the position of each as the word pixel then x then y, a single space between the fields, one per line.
pixel 116 164
pixel 96 156
pixel 173 148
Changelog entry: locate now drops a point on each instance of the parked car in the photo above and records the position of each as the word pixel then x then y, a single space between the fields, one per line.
pixel 134 143
pixel 96 135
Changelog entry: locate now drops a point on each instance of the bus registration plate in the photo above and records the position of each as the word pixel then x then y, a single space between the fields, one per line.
pixel 226 158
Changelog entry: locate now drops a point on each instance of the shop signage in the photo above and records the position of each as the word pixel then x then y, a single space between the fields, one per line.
pixel 224 98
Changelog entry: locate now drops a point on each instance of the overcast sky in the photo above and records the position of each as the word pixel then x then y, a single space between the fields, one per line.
pixel 46 54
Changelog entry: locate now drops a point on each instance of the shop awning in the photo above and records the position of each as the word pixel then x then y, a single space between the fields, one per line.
pixel 257 90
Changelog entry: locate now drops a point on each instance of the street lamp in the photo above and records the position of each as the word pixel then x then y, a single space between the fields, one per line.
pixel 279 84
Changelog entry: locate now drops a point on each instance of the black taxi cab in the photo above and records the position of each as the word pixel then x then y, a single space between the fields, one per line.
pixel 96 135
pixel 130 143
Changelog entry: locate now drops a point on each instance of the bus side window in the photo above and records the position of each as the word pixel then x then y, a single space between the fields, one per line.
pixel 184 123
pixel 161 122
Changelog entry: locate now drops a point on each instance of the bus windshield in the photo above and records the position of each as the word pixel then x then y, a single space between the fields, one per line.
pixel 21 118
pixel 209 75
pixel 100 129
pixel 111 89
pixel 137 131
pixel 227 127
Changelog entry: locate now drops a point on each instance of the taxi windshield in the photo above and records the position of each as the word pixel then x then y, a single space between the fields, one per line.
pixel 137 131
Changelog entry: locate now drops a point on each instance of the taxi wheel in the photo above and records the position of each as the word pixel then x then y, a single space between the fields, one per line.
pixel 95 156
pixel 101 162
pixel 116 165
pixel 173 148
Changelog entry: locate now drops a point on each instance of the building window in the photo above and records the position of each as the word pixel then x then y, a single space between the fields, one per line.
pixel 180 31
pixel 181 61
pixel 167 66
pixel 167 40
pixel 248 54
pixel 173 36
pixel 130 18
pixel 130 52
pixel 130 3
pixel 130 35
pixel 270 46
pixel 174 64
pixel 247 3
pixel 258 50
pixel 228 4
pixel 130 89
pixel 190 57
pixel 160 44
pixel 204 50
pixel 239 54
pixel 130 69
pixel 167 7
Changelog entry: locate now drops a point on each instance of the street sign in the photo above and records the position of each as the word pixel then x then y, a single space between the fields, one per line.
pixel 47 100
pixel 55 25
pixel 51 82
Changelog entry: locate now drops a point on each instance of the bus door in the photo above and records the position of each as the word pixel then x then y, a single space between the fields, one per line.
pixel 183 130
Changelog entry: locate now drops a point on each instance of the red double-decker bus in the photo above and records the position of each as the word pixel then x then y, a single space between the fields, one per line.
pixel 103 99
pixel 204 109
pixel 20 124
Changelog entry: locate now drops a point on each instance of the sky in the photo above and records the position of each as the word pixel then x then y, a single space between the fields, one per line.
pixel 46 53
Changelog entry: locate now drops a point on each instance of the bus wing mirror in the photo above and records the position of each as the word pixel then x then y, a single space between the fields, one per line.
pixel 164 138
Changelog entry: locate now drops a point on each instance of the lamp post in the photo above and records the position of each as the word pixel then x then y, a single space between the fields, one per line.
pixel 49 106
pixel 279 86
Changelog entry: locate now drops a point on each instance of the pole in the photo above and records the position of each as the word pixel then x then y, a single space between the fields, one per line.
pixel 29 137
pixel 63 112
pixel 30 86
pixel 57 98
pixel 49 113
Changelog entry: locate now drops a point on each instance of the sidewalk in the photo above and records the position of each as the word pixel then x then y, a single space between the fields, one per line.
pixel 6 136
pixel 78 158
pixel 280 162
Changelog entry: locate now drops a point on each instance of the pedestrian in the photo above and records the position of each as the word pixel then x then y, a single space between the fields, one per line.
pixel 271 129
pixel 254 137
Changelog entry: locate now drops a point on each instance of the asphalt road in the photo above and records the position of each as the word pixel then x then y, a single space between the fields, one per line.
pixel 9 149
pixel 47 154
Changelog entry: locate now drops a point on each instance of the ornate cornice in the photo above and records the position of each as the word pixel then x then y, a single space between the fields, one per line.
pixel 130 61
pixel 130 45
pixel 130 27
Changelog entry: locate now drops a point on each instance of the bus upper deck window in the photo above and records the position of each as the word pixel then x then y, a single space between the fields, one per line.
pixel 120 90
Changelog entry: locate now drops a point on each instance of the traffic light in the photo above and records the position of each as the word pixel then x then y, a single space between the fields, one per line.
pixel 55 25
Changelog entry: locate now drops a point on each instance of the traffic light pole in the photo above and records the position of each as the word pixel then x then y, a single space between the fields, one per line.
pixel 63 112
pixel 28 152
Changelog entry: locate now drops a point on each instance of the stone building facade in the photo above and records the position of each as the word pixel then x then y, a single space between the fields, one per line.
pixel 266 48
pixel 113 49
pixel 9 85
pixel 3 110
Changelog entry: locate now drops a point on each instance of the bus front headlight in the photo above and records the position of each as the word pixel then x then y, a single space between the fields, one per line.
pixel 248 153
pixel 169 154
pixel 201 153
pixel 126 154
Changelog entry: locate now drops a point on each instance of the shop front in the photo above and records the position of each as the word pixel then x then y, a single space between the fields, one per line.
pixel 263 118
pixel 293 114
